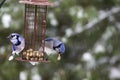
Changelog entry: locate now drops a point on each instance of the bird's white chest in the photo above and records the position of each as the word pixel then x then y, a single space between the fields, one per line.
pixel 14 41
pixel 49 51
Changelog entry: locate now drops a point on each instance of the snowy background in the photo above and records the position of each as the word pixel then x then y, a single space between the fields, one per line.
pixel 89 29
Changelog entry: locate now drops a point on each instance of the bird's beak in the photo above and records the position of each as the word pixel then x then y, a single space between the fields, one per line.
pixel 9 37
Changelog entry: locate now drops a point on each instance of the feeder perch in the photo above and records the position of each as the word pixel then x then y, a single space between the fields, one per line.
pixel 34 30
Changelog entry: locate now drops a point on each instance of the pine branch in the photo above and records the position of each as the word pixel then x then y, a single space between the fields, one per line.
pixel 103 15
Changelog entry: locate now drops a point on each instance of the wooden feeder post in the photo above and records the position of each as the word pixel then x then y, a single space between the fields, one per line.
pixel 34 29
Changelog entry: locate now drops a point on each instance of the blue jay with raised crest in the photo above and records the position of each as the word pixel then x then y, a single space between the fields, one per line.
pixel 18 44
pixel 53 45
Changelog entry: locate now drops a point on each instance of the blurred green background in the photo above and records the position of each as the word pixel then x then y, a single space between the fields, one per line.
pixel 90 30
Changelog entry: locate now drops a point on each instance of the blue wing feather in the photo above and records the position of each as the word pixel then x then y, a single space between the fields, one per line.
pixel 49 39
pixel 13 48
pixel 62 49
pixel 56 44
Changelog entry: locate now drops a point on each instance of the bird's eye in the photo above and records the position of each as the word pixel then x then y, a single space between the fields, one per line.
pixel 12 36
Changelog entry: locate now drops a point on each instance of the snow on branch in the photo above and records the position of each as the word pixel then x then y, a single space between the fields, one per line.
pixel 101 16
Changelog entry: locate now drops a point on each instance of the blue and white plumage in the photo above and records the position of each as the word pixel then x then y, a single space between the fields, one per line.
pixel 53 45
pixel 18 44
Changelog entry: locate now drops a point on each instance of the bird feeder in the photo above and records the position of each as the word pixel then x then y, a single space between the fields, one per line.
pixel 34 30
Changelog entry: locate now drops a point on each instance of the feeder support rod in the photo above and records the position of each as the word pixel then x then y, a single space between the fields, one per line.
pixel 2 3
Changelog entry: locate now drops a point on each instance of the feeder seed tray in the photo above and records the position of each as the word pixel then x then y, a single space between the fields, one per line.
pixel 30 55
pixel 20 59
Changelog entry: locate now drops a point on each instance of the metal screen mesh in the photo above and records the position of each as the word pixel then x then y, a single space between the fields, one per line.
pixel 35 26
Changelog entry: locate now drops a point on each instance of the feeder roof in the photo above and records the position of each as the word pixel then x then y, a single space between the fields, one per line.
pixel 36 2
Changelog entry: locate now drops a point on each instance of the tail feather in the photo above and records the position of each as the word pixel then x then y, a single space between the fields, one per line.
pixel 11 58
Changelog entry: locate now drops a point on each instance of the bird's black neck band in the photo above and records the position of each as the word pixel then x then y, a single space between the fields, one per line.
pixel 18 42
pixel 57 46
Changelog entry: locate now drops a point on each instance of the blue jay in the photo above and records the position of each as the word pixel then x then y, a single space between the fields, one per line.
pixel 18 44
pixel 53 45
